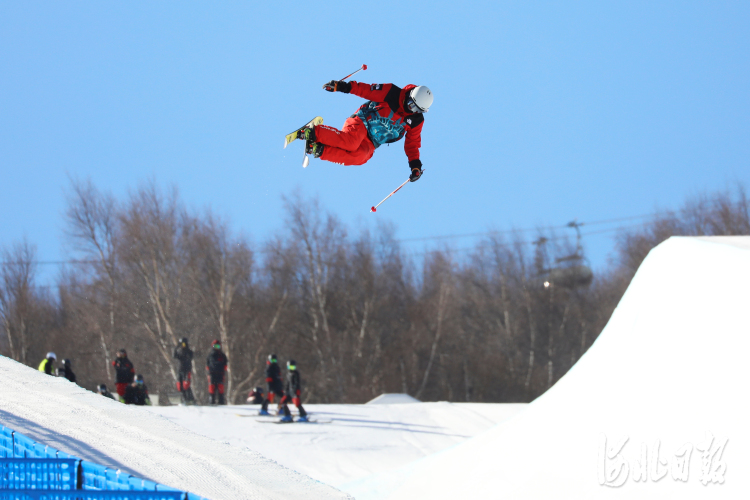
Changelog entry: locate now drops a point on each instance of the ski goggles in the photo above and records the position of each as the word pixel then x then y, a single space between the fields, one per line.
pixel 217 346
pixel 411 105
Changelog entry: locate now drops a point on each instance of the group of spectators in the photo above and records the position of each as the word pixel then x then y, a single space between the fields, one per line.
pixel 130 387
pixel 65 370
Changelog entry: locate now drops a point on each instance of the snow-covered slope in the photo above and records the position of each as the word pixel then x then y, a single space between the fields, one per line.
pixel 670 367
pixel 360 440
pixel 58 413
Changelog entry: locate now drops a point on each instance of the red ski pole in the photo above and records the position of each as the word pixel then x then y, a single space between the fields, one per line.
pixel 364 66
pixel 375 208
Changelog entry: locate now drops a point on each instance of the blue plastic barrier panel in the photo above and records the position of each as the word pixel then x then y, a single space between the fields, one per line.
pixel 89 495
pixel 38 473
pixel 23 447
pixel 6 442
pixel 94 476
pixel 149 485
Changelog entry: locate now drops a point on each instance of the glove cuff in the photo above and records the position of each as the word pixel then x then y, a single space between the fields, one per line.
pixel 415 164
pixel 344 87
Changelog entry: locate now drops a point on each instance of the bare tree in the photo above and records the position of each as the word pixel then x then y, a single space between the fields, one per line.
pixel 17 297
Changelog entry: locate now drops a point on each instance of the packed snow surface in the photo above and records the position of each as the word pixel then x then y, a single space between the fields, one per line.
pixel 60 414
pixel 657 408
pixel 355 441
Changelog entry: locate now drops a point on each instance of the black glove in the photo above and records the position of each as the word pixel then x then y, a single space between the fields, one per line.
pixel 416 170
pixel 338 86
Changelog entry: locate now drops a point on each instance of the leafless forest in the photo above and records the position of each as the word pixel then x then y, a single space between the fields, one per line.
pixel 499 324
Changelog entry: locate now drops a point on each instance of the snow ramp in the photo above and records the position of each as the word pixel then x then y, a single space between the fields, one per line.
pixel 57 413
pixel 657 408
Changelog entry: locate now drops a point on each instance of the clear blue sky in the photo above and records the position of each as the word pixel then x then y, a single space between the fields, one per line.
pixel 544 111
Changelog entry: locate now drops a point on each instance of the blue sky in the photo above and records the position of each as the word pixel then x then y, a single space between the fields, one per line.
pixel 544 111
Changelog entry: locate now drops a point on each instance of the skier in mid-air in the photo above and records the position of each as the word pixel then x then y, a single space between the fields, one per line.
pixel 390 113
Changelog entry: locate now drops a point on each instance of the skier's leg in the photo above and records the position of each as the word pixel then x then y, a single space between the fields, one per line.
pixel 222 399
pixel 343 157
pixel 285 406
pixel 348 139
pixel 298 403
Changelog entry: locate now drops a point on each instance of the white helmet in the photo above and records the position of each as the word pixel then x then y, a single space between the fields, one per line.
pixel 51 355
pixel 421 98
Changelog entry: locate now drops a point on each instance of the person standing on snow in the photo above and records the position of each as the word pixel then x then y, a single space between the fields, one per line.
pixel 292 391
pixel 275 385
pixel 67 371
pixel 48 364
pixel 124 373
pixel 184 355
pixel 136 393
pixel 216 366
pixel 390 113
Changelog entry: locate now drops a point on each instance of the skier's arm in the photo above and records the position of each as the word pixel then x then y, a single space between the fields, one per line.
pixel 412 143
pixel 378 92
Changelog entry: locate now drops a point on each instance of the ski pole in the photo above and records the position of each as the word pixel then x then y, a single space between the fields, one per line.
pixel 375 208
pixel 364 66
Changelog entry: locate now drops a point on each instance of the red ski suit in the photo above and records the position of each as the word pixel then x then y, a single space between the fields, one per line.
pixel 381 120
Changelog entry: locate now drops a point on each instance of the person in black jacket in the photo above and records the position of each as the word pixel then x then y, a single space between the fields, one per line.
pixel 256 396
pixel 275 385
pixel 124 373
pixel 293 391
pixel 184 355
pixel 102 389
pixel 137 393
pixel 67 371
pixel 216 366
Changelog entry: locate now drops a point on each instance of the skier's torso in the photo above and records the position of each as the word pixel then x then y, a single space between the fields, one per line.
pixel 386 119
pixel 185 356
pixel 216 362
pixel 293 382
pixel 124 371
pixel 273 376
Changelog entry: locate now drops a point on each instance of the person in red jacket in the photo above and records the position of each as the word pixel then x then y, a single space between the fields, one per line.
pixel 389 114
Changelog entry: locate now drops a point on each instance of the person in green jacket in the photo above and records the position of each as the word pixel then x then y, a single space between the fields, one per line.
pixel 48 364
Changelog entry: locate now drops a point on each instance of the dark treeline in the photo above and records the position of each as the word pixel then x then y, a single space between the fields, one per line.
pixel 499 324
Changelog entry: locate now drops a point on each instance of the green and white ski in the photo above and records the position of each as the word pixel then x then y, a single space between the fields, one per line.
pixel 293 135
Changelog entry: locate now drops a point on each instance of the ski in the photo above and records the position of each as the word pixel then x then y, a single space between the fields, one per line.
pixel 312 421
pixel 293 136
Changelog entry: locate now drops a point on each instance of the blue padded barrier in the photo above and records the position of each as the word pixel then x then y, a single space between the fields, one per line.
pixel 89 495
pixel 135 483
pixel 23 447
pixel 193 496
pixel 123 481
pixel 6 442
pixel 149 485
pixel 94 476
pixel 38 473
pixel 110 476
pixel 40 451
